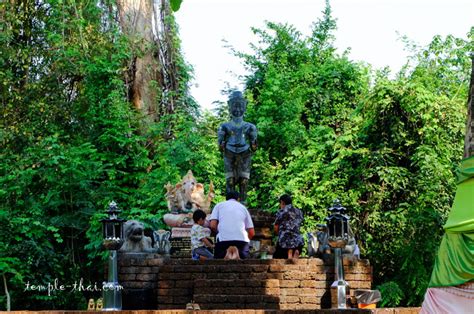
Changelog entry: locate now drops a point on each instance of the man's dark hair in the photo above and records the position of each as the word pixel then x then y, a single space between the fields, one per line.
pixel 285 198
pixel 232 195
pixel 198 214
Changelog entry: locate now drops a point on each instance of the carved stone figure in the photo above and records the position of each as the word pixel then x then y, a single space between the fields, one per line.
pixel 91 305
pixel 188 195
pixel 162 241
pixel 174 197
pixel 318 243
pixel 184 198
pixel 99 305
pixel 237 140
pixel 135 240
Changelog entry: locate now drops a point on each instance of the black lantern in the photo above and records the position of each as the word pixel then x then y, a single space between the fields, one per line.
pixel 112 228
pixel 338 237
pixel 338 225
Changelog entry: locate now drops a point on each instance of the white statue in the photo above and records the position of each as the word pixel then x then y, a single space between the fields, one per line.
pixel 184 198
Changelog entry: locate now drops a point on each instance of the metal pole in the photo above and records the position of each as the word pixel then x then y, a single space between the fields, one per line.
pixel 340 284
pixel 112 290
pixel 113 274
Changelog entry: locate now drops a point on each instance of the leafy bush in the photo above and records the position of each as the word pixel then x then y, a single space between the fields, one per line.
pixel 391 294
pixel 386 147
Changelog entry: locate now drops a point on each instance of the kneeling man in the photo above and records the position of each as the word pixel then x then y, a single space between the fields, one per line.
pixel 233 224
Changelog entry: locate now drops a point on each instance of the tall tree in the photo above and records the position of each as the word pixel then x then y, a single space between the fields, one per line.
pixel 154 74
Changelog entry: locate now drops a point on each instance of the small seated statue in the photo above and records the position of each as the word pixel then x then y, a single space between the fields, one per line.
pixel 137 242
pixel 318 243
pixel 162 242
pixel 135 239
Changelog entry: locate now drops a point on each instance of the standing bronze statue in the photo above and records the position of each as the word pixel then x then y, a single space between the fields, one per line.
pixel 237 140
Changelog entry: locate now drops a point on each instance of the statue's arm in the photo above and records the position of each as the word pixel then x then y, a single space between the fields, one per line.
pixel 221 136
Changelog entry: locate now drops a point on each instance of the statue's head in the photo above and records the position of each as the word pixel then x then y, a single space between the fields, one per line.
pixel 237 104
pixel 133 230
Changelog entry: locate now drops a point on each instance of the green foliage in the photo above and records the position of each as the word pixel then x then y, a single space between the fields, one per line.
pixel 301 93
pixel 387 148
pixel 71 143
pixel 175 4
pixel 391 294
pixel 328 128
pixel 407 178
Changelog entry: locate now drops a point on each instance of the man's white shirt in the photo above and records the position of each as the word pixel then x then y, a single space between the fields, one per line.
pixel 234 219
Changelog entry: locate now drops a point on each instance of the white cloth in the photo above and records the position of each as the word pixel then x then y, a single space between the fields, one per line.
pixel 198 233
pixel 449 300
pixel 234 219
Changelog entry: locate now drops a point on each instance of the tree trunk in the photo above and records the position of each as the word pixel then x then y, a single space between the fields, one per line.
pixel 469 140
pixel 137 22
pixel 152 71
pixel 168 54
pixel 6 292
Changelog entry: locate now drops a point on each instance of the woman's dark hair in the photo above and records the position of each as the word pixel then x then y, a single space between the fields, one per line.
pixel 285 198
pixel 198 214
pixel 232 195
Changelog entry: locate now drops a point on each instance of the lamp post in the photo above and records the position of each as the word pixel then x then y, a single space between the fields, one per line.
pixel 338 236
pixel 112 229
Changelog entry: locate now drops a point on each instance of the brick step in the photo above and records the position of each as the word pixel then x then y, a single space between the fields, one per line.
pixel 263 233
pixel 230 291
pixel 181 310
pixel 226 307
pixel 262 219
pixel 213 301
pixel 246 282
pixel 203 299
pixel 255 284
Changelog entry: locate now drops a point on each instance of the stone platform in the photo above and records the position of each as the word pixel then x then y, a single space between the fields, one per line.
pixel 302 284
pixel 400 310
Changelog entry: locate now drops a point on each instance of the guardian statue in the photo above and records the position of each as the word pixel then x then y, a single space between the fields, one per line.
pixel 237 141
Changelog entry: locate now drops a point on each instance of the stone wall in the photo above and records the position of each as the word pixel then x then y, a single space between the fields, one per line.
pixel 400 310
pixel 223 284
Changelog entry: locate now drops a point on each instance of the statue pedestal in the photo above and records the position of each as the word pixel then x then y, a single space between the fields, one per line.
pixel 263 224
pixel 181 247
pixel 184 220
pixel 180 242
pixel 181 224
pixel 180 232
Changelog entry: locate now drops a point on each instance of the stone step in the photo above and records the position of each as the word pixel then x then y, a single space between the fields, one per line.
pixel 208 302
pixel 173 309
pixel 234 282
pixel 263 233
pixel 262 218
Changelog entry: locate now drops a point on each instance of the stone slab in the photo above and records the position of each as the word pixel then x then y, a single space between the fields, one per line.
pixel 178 232
pixel 181 247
